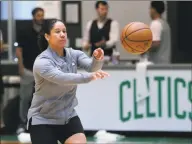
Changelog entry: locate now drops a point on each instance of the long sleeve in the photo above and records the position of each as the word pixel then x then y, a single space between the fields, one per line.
pixel 86 34
pixel 113 35
pixel 89 64
pixel 44 68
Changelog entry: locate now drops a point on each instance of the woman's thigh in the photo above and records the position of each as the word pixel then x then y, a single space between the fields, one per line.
pixel 78 138
pixel 43 134
pixel 72 132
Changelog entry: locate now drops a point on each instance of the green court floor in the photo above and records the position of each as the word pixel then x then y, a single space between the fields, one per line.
pixel 13 139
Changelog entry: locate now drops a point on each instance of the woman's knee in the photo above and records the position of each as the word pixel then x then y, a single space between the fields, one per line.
pixel 78 138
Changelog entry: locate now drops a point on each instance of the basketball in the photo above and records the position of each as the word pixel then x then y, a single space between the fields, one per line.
pixel 136 38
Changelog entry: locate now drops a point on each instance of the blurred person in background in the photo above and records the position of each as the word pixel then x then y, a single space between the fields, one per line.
pixel 26 52
pixel 160 52
pixel 1 77
pixel 1 41
pixel 101 32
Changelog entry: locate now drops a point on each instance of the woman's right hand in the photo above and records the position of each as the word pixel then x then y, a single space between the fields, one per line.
pixel 99 75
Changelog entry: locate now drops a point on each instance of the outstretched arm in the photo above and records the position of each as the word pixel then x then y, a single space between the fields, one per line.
pixel 90 64
pixel 44 68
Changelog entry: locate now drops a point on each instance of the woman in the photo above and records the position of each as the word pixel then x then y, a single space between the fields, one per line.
pixel 52 116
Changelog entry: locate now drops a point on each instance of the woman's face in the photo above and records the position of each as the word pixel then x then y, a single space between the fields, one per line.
pixel 58 35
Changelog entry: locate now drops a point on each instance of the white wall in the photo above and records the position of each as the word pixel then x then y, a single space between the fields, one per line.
pixel 122 11
pixel 22 9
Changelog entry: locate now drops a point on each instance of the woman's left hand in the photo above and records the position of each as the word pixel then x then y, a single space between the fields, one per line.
pixel 98 54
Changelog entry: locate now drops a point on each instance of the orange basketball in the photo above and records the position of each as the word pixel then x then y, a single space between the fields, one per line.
pixel 136 37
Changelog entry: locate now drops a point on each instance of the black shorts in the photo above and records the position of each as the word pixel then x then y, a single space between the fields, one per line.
pixel 50 134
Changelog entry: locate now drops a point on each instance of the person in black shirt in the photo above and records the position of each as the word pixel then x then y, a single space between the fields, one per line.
pixel 26 52
pixel 101 32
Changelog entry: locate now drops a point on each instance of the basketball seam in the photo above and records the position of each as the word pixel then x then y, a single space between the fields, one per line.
pixel 135 31
pixel 132 47
pixel 128 27
pixel 126 30
pixel 138 40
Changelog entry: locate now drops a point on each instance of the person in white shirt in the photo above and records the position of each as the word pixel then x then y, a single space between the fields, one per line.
pixel 101 32
pixel 1 41
pixel 160 52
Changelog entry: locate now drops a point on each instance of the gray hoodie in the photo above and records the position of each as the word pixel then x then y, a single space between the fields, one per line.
pixel 56 80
